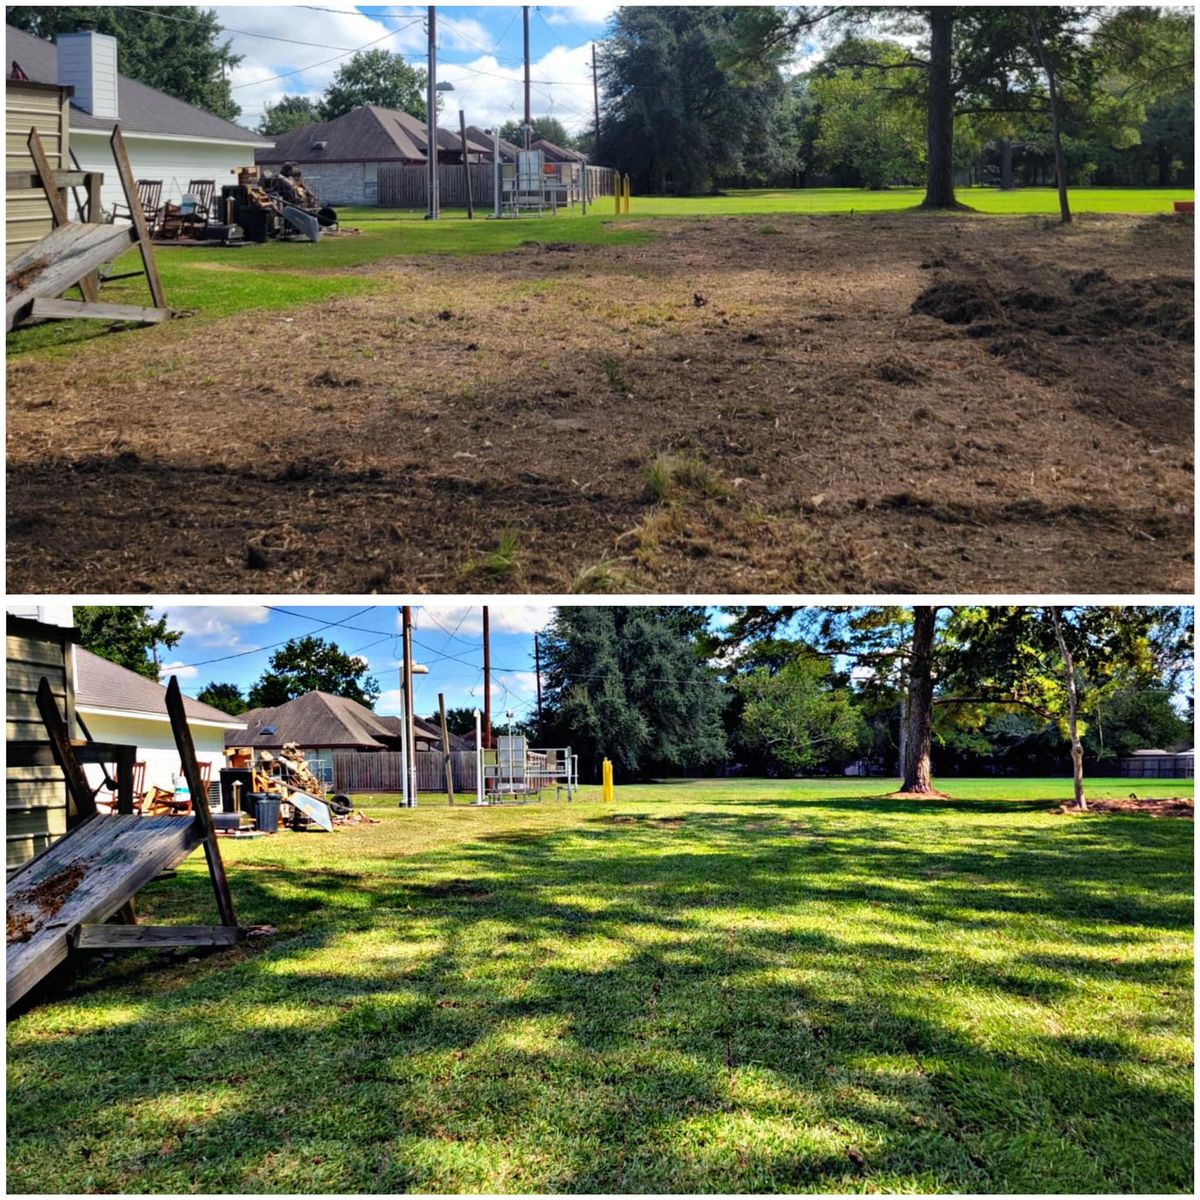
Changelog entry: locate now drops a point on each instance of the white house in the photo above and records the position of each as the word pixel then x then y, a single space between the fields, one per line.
pixel 118 705
pixel 166 138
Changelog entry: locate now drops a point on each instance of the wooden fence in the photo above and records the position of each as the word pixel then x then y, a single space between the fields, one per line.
pixel 383 772
pixel 408 186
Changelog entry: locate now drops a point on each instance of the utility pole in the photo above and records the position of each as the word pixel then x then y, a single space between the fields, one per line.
pixel 431 118
pixel 537 670
pixel 528 111
pixel 410 725
pixel 462 133
pixel 487 682
pixel 595 101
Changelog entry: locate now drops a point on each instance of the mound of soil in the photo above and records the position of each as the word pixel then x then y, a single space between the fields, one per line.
pixel 1168 806
pixel 957 302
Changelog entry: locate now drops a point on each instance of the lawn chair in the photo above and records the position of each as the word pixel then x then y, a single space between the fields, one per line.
pixel 106 798
pixel 162 800
pixel 176 222
pixel 149 197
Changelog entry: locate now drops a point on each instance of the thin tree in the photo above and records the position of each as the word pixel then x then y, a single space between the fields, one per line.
pixel 1072 708
pixel 1060 158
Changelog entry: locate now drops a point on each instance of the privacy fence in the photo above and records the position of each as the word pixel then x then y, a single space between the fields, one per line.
pixel 384 772
pixel 408 187
pixel 1157 766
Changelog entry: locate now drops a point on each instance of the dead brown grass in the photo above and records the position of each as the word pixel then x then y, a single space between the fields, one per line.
pixel 378 443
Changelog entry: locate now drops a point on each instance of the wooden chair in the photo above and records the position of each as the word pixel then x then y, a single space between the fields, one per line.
pixel 175 223
pixel 106 797
pixel 162 800
pixel 149 198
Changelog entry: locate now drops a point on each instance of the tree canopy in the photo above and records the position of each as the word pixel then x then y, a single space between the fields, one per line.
pixel 288 113
pixel 225 696
pixel 375 77
pixel 175 49
pixel 125 634
pixel 311 664
pixel 549 129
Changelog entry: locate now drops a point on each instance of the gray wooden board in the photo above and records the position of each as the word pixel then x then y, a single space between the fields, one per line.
pixel 133 937
pixel 46 308
pixel 119 854
pixel 61 259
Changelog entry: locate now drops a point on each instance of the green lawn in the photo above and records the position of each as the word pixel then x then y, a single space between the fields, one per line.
pixel 280 275
pixel 706 986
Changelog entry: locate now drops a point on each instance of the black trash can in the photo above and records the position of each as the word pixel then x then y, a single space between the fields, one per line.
pixel 266 813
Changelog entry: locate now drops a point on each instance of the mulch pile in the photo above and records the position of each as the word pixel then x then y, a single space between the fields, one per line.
pixel 1168 806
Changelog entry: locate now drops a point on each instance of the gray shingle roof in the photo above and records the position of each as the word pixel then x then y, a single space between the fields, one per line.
pixel 555 154
pixel 479 137
pixel 365 134
pixel 143 109
pixel 103 684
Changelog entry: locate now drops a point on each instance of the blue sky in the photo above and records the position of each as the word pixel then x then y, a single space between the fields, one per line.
pixel 234 643
pixel 480 51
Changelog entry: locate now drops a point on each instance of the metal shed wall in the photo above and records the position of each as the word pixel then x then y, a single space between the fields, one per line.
pixel 47 109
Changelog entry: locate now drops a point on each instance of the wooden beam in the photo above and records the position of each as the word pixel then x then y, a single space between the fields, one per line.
pixel 45 308
pixel 31 181
pixel 39 754
pixel 134 937
pixel 64 752
pixel 89 285
pixel 126 764
pixel 145 246
pixel 203 822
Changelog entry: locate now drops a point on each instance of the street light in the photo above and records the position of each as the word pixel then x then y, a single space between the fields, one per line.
pixel 436 91
pixel 407 800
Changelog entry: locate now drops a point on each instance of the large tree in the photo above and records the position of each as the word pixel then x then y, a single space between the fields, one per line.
pixel 375 77
pixel 290 112
pixel 175 49
pixel 225 696
pixel 549 129
pixel 311 664
pixel 125 634
pixel 629 685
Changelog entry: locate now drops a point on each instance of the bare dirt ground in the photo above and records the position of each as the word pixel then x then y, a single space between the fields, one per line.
pixel 1164 806
pixel 896 403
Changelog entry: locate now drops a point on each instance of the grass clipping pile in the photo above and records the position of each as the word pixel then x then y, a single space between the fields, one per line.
pixel 889 404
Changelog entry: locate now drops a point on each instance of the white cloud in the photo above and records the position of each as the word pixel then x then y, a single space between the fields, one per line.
pixel 466 620
pixel 519 682
pixel 579 14
pixel 216 626
pixel 180 669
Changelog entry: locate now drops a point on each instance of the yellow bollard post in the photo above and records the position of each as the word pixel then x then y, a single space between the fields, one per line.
pixel 628 194
pixel 608 781
pixel 617 189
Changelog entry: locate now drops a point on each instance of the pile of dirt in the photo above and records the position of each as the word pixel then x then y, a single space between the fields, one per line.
pixel 30 908
pixel 1182 807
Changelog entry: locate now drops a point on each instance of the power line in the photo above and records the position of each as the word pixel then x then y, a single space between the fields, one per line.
pixel 268 37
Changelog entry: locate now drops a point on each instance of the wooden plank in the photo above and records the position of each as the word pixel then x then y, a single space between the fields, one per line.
pixel 89 285
pixel 39 754
pixel 133 937
pixel 145 246
pixel 64 752
pixel 29 181
pixel 203 819
pixel 45 308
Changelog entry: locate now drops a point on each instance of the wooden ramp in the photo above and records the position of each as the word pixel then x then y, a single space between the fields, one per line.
pixel 60 900
pixel 87 877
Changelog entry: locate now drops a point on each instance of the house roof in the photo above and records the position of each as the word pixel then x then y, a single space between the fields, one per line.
pixel 427 730
pixel 315 719
pixel 100 684
pixel 143 109
pixel 364 134
pixel 480 138
pixel 555 153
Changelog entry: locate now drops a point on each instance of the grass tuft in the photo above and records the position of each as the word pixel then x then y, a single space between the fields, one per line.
pixel 501 565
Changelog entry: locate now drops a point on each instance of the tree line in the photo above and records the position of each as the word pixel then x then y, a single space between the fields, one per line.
pixel 698 98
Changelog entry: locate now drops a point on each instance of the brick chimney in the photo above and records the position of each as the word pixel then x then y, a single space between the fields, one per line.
pixel 88 62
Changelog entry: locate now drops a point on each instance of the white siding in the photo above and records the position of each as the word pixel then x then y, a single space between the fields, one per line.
pixel 176 163
pixel 87 62
pixel 156 746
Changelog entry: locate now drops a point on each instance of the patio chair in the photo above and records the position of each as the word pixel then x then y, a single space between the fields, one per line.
pixel 149 198
pixel 106 797
pixel 175 222
pixel 162 800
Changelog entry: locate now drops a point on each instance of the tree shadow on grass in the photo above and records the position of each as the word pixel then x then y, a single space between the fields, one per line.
pixel 616 1009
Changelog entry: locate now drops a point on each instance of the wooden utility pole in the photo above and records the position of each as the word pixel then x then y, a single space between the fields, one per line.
pixel 487 682
pixel 595 102
pixel 409 723
pixel 447 763
pixel 528 110
pixel 537 671
pixel 462 133
pixel 431 118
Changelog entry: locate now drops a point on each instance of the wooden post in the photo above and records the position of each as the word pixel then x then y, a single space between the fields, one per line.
pixel 90 284
pixel 487 681
pixel 145 246
pixel 448 763
pixel 92 182
pixel 126 756
pixel 64 753
pixel 203 818
pixel 462 132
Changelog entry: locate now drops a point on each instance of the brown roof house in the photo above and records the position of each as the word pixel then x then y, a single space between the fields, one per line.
pixel 166 138
pixel 340 159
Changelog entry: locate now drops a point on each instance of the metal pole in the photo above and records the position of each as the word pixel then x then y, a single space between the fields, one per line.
pixel 431 117
pixel 408 708
pixel 537 670
pixel 487 682
pixel 595 99
pixel 528 110
pixel 462 130
pixel 478 758
pixel 496 171
pixel 404 800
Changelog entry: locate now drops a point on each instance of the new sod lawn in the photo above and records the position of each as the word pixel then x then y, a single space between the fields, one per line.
pixel 705 986
pixel 280 275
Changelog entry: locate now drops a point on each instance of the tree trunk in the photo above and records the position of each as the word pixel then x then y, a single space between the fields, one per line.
pixel 1006 171
pixel 1164 166
pixel 1060 158
pixel 1072 711
pixel 939 179
pixel 919 719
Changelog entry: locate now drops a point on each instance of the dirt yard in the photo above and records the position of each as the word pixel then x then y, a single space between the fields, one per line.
pixel 894 403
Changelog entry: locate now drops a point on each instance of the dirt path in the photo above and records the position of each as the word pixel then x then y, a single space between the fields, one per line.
pixel 1027 429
